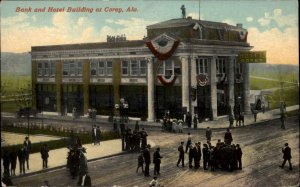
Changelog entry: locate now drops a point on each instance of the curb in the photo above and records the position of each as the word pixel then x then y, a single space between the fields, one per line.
pixel 64 166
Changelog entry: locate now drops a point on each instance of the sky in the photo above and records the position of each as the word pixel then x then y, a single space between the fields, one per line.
pixel 272 24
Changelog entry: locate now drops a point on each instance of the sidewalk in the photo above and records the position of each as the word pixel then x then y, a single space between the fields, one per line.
pixel 222 122
pixel 58 157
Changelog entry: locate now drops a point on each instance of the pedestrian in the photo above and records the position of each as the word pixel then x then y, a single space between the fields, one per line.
pixel 78 141
pixel 188 143
pixel 27 148
pixel 208 134
pixel 236 111
pixel 191 155
pixel 228 137
pixel 6 162
pixel 154 182
pixel 242 119
pixel 286 155
pixel 195 121
pixel 254 112
pixel 239 154
pixel 98 135
pixel 84 180
pixel 156 161
pixel 140 162
pixel 188 119
pixel 144 138
pixel 282 119
pixel 147 158
pixel 94 134
pixel 231 120
pixel 83 167
pixel 206 156
pixel 181 154
pixel 198 155
pixel 13 162
pixel 45 154
pixel 21 158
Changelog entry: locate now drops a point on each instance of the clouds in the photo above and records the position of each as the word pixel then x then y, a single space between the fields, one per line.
pixel 280 19
pixel 65 29
pixel 281 46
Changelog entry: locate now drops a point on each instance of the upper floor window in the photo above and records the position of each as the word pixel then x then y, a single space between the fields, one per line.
pixel 221 65
pixel 134 67
pixel 202 65
pixel 72 68
pixel 46 68
pixel 101 68
pixel 169 68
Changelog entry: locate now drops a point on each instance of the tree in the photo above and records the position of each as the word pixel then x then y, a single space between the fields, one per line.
pixel 23 99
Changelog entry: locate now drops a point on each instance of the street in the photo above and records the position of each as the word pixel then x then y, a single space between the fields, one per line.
pixel 261 145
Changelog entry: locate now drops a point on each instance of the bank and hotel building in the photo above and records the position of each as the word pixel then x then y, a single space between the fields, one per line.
pixel 181 65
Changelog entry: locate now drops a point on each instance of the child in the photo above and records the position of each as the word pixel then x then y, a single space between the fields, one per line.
pixel 140 162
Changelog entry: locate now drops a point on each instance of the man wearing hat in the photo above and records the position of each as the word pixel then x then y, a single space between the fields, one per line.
pixel 27 147
pixel 147 159
pixel 181 154
pixel 286 155
pixel 157 161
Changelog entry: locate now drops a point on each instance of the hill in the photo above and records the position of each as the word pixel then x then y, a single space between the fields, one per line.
pixel 15 63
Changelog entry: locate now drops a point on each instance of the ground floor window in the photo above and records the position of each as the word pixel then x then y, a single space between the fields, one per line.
pixel 102 99
pixel 222 99
pixel 46 97
pixel 168 99
pixel 203 102
pixel 72 96
pixel 136 97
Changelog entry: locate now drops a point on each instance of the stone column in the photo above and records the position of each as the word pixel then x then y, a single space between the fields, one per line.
pixel 86 83
pixel 246 88
pixel 58 81
pixel 213 88
pixel 116 83
pixel 185 82
pixel 231 82
pixel 193 81
pixel 150 89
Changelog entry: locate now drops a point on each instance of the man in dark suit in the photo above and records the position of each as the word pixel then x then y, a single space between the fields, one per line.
pixel 21 158
pixel 181 155
pixel 147 159
pixel 286 155
pixel 27 148
pixel 239 154
pixel 228 137
pixel 157 161
pixel 45 154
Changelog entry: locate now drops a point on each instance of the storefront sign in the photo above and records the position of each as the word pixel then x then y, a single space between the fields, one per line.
pixel 101 80
pixel 133 80
pixel 67 80
pixel 252 57
pixel 46 79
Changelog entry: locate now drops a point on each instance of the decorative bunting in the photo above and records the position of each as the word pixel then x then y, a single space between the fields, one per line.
pixel 163 47
pixel 202 79
pixel 167 82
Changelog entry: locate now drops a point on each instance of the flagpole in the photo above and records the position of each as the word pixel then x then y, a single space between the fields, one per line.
pixel 199 9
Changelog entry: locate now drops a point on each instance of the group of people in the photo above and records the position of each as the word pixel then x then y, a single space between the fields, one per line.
pixel 10 158
pixel 224 155
pixel 135 140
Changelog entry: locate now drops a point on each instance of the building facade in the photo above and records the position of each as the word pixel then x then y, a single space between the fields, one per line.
pixel 182 65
